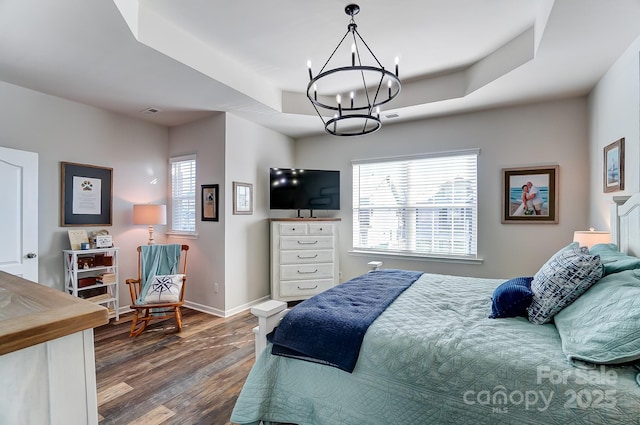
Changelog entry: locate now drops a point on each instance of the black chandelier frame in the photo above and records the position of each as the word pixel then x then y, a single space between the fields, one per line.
pixel 350 112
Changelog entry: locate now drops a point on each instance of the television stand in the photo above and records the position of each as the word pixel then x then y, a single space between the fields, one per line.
pixel 310 214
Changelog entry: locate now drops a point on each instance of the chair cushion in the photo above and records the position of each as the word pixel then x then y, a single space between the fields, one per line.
pixel 164 289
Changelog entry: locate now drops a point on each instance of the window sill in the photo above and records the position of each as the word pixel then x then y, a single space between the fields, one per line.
pixel 417 257
pixel 180 235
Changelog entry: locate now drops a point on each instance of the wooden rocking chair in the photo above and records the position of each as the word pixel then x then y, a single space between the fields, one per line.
pixel 146 311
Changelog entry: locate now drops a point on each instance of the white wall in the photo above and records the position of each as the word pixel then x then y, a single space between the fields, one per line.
pixel 614 112
pixel 539 134
pixel 233 252
pixel 60 130
pixel 206 265
pixel 251 150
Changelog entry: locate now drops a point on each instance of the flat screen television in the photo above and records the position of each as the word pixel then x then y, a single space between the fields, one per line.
pixel 302 189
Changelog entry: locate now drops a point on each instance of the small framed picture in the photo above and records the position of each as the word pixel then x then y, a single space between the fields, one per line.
pixel 614 166
pixel 242 198
pixel 530 195
pixel 209 202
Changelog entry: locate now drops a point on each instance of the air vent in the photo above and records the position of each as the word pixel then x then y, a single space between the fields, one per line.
pixel 151 111
pixel 392 116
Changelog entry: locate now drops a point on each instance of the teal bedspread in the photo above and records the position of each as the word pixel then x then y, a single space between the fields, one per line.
pixel 433 357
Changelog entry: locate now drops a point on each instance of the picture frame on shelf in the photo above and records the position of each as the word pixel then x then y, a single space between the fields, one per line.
pixel 613 167
pixel 77 238
pixel 209 200
pixel 85 195
pixel 539 185
pixel 242 198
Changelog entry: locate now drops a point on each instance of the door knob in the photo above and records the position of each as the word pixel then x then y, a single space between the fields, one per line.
pixel 31 255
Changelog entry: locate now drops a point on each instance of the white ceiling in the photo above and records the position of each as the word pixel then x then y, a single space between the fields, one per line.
pixel 190 58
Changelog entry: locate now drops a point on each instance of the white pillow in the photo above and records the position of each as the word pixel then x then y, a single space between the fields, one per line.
pixel 164 289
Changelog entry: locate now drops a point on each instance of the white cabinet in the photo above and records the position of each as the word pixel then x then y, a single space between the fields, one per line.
pixel 304 257
pixel 92 274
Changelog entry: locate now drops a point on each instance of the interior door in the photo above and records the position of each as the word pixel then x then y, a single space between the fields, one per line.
pixel 19 213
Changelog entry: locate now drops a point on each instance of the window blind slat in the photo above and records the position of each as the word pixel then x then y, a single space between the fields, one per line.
pixel 422 205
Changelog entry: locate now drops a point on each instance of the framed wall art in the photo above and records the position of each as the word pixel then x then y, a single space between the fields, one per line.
pixel 242 198
pixel 530 194
pixel 614 166
pixel 85 195
pixel 210 202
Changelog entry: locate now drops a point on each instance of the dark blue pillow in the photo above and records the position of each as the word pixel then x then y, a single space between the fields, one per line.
pixel 512 298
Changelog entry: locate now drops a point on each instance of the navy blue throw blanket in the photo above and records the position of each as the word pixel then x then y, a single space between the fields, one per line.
pixel 329 328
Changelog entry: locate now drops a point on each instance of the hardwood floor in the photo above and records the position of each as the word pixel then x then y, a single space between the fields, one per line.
pixel 163 377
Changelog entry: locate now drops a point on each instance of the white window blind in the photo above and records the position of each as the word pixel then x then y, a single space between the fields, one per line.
pixel 183 194
pixel 420 205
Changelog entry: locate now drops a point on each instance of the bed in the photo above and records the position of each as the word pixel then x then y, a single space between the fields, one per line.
pixel 433 356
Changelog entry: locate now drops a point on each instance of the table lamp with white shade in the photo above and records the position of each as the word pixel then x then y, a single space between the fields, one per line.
pixel 591 237
pixel 150 214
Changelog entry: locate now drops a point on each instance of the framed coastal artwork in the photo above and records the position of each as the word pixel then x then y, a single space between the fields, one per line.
pixel 209 202
pixel 614 166
pixel 530 194
pixel 242 198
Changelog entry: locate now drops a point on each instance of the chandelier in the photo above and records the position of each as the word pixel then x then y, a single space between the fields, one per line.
pixel 344 109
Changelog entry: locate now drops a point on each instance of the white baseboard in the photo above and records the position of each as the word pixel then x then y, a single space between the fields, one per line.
pixel 224 313
pixel 210 310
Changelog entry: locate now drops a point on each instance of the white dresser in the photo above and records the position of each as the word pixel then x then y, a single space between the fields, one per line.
pixel 304 257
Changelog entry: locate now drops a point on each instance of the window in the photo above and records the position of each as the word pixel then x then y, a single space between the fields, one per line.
pixel 183 194
pixel 420 205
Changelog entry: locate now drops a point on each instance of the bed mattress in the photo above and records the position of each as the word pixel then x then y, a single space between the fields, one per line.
pixel 434 357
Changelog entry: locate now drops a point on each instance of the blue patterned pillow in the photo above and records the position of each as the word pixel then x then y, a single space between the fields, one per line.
pixel 511 298
pixel 565 277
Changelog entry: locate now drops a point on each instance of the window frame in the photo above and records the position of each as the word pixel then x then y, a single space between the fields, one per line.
pixel 417 254
pixel 182 232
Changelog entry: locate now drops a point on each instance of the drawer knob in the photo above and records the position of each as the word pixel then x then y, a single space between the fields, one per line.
pixel 308 289
pixel 304 272
pixel 309 256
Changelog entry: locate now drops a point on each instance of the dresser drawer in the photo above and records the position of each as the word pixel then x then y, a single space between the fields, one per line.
pixel 306 256
pixel 306 242
pixel 306 271
pixel 293 229
pixel 304 288
pixel 320 229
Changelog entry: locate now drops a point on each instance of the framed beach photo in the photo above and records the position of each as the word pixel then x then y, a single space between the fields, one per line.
pixel 614 166
pixel 530 195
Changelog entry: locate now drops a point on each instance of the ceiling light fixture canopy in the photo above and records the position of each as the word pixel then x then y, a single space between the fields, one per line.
pixel 353 112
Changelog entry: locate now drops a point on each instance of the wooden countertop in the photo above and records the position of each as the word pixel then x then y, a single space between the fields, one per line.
pixel 31 313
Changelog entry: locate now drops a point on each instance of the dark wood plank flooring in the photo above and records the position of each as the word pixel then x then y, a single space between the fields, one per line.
pixel 164 377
